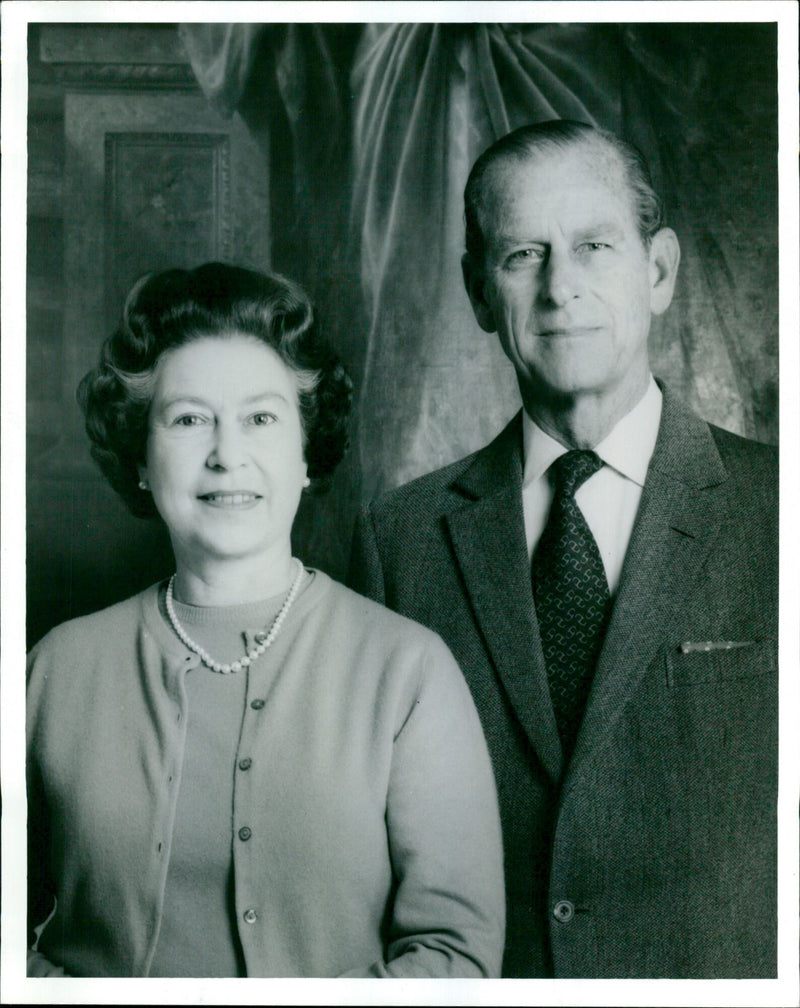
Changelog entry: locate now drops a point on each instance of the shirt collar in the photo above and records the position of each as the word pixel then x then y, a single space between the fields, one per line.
pixel 628 448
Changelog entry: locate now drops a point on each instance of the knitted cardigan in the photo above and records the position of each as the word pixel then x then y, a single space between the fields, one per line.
pixel 365 834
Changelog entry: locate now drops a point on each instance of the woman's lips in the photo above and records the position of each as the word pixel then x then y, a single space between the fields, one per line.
pixel 238 498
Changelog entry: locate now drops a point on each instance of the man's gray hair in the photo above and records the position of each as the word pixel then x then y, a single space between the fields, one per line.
pixel 556 134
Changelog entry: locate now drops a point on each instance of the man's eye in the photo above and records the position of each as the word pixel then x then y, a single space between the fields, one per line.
pixel 262 419
pixel 593 246
pixel 523 256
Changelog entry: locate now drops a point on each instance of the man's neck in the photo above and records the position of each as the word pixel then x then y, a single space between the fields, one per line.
pixel 582 420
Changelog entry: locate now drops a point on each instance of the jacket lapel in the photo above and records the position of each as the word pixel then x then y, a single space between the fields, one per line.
pixel 676 528
pixel 487 532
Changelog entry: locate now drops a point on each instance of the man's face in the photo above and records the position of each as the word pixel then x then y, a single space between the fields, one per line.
pixel 567 282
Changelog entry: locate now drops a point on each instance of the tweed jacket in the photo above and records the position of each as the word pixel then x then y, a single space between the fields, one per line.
pixel 653 852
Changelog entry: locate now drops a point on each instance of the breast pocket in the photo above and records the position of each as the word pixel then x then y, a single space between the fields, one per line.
pixel 712 661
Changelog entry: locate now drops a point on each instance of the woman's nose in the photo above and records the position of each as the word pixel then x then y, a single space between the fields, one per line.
pixel 227 449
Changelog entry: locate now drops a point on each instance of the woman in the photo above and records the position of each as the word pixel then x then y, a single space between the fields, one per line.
pixel 247 770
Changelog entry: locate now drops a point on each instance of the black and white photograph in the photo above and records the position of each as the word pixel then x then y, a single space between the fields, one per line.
pixel 399 482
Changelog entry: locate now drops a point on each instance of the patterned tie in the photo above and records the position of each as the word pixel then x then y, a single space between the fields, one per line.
pixel 571 595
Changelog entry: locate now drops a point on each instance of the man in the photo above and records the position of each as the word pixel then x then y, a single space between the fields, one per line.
pixel 605 572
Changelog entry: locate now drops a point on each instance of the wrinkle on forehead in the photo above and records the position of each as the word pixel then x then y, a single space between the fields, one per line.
pixel 504 179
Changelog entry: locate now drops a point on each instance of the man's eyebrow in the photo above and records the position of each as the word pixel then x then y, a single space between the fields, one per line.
pixel 521 237
pixel 601 228
pixel 505 240
pixel 595 227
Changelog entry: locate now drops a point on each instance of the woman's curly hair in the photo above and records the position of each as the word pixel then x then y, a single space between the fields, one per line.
pixel 166 310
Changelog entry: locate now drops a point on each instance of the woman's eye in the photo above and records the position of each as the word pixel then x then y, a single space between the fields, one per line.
pixel 262 419
pixel 189 420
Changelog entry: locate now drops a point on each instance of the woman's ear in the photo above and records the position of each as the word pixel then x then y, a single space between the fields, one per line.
pixel 475 283
pixel 665 256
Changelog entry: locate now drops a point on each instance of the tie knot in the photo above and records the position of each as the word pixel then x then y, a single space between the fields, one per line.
pixel 573 468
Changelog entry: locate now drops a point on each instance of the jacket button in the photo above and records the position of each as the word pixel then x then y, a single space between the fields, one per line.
pixel 245 763
pixel 257 704
pixel 245 833
pixel 250 916
pixel 564 911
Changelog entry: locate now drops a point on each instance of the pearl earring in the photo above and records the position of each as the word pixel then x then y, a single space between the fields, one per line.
pixel 143 485
pixel 307 482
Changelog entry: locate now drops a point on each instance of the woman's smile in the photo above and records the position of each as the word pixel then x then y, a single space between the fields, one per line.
pixel 236 499
pixel 225 459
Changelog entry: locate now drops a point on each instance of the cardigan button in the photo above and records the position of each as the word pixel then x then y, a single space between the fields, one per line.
pixel 245 763
pixel 257 704
pixel 245 833
pixel 250 916
pixel 564 911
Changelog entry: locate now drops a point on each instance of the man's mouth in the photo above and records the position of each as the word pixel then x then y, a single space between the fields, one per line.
pixel 569 331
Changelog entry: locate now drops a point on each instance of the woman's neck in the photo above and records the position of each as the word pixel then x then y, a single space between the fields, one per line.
pixel 223 583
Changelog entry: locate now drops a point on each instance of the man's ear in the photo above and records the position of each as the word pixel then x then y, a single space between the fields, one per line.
pixel 476 289
pixel 665 256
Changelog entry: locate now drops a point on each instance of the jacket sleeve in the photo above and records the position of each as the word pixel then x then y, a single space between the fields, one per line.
pixel 365 574
pixel 448 916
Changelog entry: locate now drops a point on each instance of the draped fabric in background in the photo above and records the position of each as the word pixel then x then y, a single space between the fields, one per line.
pixel 369 132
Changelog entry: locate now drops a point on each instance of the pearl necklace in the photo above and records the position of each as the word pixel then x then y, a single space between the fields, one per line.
pixel 263 639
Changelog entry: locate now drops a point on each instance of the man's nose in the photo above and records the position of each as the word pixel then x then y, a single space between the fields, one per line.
pixel 227 449
pixel 560 279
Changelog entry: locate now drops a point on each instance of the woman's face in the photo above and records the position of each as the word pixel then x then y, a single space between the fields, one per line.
pixel 225 458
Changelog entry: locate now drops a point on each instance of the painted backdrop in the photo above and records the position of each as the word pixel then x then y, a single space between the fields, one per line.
pixel 337 153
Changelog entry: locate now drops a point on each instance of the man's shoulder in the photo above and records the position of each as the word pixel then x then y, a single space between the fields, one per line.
pixel 442 489
pixel 752 480
pixel 424 491
pixel 741 452
pixel 709 454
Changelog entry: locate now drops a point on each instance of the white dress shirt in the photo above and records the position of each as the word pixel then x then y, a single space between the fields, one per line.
pixel 609 499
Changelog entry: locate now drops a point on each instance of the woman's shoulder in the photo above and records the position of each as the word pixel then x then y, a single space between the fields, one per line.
pixel 106 626
pixel 364 618
pixel 409 665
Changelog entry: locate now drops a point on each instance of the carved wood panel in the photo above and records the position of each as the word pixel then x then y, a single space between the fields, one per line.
pixel 167 203
pixel 152 179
